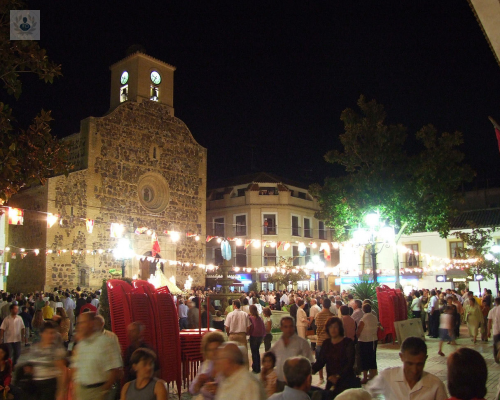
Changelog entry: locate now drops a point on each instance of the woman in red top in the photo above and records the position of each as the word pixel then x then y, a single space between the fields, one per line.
pixel 467 383
pixel 5 369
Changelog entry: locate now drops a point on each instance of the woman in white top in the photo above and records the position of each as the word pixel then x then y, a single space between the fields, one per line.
pixel 367 339
pixel 416 305
pixel 302 320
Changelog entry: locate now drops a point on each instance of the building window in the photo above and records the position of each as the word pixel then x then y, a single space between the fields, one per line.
pixel 218 227
pixel 295 255
pixel 456 249
pixel 322 256
pixel 241 192
pixel 123 93
pixel 307 257
pixel 83 278
pixel 301 195
pixel 322 230
pixel 307 228
pixel 241 256
pixel 268 191
pixel 269 224
pixel 269 256
pixel 295 226
pixel 412 259
pixel 240 222
pixel 218 256
pixel 219 196
pixel 154 93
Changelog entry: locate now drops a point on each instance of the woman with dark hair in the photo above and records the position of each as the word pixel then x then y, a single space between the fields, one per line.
pixel 5 370
pixel 338 356
pixel 257 331
pixel 367 339
pixel 268 323
pixel 485 309
pixel 467 383
pixel 416 304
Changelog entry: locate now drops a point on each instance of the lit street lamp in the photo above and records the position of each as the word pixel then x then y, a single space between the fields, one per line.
pixel 123 252
pixel 368 238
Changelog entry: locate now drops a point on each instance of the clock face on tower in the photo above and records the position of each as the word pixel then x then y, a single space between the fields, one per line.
pixel 155 77
pixel 124 78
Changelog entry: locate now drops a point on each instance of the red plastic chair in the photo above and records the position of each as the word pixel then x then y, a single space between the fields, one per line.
pixel 119 309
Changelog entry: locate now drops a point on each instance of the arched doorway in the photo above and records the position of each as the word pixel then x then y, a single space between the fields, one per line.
pixel 148 268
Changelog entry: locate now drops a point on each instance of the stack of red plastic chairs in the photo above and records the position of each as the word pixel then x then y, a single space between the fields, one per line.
pixel 142 302
pixel 391 308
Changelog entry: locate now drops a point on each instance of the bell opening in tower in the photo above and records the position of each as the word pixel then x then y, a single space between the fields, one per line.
pixel 154 93
pixel 123 93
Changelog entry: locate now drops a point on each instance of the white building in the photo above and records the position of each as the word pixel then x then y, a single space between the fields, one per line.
pixel 425 259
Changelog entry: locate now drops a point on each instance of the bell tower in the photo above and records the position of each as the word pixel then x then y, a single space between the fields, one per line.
pixel 140 77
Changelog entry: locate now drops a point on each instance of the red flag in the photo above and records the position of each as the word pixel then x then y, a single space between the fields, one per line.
pixel 156 245
pixel 497 131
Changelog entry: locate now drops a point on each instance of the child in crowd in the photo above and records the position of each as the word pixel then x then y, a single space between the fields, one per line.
pixel 145 386
pixel 447 327
pixel 268 375
pixel 218 321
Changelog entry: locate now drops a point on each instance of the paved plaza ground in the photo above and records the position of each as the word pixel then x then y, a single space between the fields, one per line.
pixel 388 356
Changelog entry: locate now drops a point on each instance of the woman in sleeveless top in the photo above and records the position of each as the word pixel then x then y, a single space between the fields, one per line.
pixel 144 387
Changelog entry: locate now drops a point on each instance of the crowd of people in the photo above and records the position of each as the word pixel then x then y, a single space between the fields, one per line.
pixel 55 343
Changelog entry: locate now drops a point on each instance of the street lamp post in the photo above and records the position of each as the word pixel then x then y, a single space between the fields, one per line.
pixel 123 252
pixel 369 239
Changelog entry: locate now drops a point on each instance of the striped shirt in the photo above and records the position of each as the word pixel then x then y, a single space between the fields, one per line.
pixel 321 319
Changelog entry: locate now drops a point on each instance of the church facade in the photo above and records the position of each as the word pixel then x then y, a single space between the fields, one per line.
pixel 138 166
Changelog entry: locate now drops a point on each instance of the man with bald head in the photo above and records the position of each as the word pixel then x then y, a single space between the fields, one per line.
pixel 298 377
pixel 237 382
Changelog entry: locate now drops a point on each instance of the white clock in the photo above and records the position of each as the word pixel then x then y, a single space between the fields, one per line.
pixel 155 77
pixel 124 78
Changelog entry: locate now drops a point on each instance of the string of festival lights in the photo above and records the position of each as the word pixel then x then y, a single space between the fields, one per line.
pixel 16 217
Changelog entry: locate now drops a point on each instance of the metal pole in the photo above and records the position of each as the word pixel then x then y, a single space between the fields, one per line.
pixel 123 268
pixel 374 262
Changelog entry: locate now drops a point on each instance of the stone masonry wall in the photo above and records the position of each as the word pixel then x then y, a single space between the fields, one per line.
pixel 119 155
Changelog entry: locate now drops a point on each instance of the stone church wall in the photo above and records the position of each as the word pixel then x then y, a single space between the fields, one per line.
pixel 137 148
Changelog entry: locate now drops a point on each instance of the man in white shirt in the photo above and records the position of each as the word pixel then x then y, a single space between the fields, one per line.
pixel 96 361
pixel 357 314
pixel 289 345
pixel 494 322
pixel 409 381
pixel 313 311
pixel 284 299
pixel 237 382
pixel 12 332
pixel 432 309
pixel 237 324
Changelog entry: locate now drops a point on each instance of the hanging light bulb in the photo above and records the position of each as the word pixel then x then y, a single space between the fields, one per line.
pixel 197 238
pixel 239 242
pixel 219 240
pixel 174 236
pixel 256 244
pixel 7 248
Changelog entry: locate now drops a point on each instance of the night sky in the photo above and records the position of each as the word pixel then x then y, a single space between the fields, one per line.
pixel 274 76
